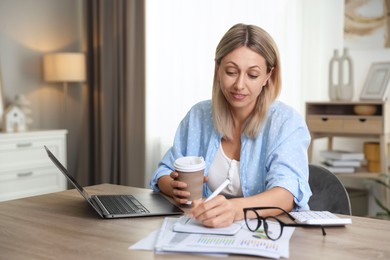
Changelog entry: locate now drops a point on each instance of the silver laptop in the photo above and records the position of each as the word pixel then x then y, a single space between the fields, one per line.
pixel 122 206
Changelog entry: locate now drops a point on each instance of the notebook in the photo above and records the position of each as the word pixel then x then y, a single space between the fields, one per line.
pixel 121 206
pixel 187 225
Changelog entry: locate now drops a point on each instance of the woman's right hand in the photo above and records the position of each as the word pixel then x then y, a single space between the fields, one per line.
pixel 170 186
pixel 178 193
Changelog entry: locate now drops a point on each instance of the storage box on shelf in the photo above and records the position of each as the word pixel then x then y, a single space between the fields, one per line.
pixel 363 119
pixel 25 169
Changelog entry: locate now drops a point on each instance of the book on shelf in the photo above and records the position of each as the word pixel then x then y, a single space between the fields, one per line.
pixel 340 169
pixel 343 163
pixel 342 155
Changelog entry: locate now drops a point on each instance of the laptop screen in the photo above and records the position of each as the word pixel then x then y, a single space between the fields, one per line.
pixel 65 172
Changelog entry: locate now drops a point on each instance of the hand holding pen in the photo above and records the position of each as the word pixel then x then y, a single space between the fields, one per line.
pixel 218 190
pixel 214 212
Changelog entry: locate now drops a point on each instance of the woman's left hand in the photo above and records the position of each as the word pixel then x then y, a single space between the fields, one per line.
pixel 217 212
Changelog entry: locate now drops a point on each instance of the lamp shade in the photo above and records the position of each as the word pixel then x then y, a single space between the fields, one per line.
pixel 64 67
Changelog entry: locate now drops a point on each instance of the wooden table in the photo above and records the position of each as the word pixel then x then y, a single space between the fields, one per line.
pixel 63 226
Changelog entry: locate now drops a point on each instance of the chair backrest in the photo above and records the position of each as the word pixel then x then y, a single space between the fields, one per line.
pixel 328 191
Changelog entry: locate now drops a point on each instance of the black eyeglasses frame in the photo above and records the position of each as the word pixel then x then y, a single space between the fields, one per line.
pixel 261 220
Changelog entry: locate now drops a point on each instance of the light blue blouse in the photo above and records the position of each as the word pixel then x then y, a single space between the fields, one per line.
pixel 277 157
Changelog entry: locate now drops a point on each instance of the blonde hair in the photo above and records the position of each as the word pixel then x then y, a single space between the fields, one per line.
pixel 261 42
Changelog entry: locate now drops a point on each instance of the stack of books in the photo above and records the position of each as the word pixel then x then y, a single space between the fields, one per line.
pixel 338 161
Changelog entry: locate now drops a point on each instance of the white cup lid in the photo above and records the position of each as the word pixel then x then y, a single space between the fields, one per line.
pixel 189 164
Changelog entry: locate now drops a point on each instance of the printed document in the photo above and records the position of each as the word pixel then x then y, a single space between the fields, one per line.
pixel 243 242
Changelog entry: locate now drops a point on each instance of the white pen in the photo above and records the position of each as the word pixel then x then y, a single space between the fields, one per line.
pixel 219 189
pixel 213 195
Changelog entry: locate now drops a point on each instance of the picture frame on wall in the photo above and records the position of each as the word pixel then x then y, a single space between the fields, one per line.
pixel 377 82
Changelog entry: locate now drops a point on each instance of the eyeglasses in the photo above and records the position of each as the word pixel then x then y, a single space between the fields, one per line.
pixel 277 225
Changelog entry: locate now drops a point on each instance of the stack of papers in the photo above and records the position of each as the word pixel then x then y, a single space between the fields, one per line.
pixel 204 240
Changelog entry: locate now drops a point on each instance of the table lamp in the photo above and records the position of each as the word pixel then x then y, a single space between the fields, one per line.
pixel 64 67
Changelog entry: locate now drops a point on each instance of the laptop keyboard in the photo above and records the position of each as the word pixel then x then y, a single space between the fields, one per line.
pixel 122 204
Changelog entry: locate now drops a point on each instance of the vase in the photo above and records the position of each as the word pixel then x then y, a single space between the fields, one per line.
pixel 345 88
pixel 334 66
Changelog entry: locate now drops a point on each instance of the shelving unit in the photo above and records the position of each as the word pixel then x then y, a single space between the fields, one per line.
pixel 339 119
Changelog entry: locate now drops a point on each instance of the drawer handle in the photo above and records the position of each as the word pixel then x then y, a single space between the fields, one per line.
pixel 23 145
pixel 24 174
pixel 324 119
pixel 362 120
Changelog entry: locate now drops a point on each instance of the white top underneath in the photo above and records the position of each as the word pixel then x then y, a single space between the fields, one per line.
pixel 223 168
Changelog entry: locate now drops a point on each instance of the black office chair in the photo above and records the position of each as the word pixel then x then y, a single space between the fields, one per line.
pixel 328 191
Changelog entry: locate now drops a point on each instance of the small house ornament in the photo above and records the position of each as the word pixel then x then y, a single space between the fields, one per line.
pixel 14 119
pixel 25 105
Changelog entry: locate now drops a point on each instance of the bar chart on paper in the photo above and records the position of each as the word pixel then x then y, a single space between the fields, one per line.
pixel 215 241
pixel 260 244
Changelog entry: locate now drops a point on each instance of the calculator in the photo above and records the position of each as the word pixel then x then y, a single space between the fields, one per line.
pixel 324 218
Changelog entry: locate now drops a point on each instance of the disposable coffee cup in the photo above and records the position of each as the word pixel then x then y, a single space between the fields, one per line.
pixel 191 171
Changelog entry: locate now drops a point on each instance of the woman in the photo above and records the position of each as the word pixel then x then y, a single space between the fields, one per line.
pixel 244 134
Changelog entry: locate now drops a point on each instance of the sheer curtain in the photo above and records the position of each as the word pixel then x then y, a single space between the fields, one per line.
pixel 112 149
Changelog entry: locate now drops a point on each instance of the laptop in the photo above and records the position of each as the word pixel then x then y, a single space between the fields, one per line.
pixel 122 206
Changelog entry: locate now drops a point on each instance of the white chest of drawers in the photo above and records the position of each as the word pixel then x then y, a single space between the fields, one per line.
pixel 25 168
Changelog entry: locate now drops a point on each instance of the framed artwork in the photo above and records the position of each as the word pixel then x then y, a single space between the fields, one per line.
pixel 377 82
pixel 366 24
